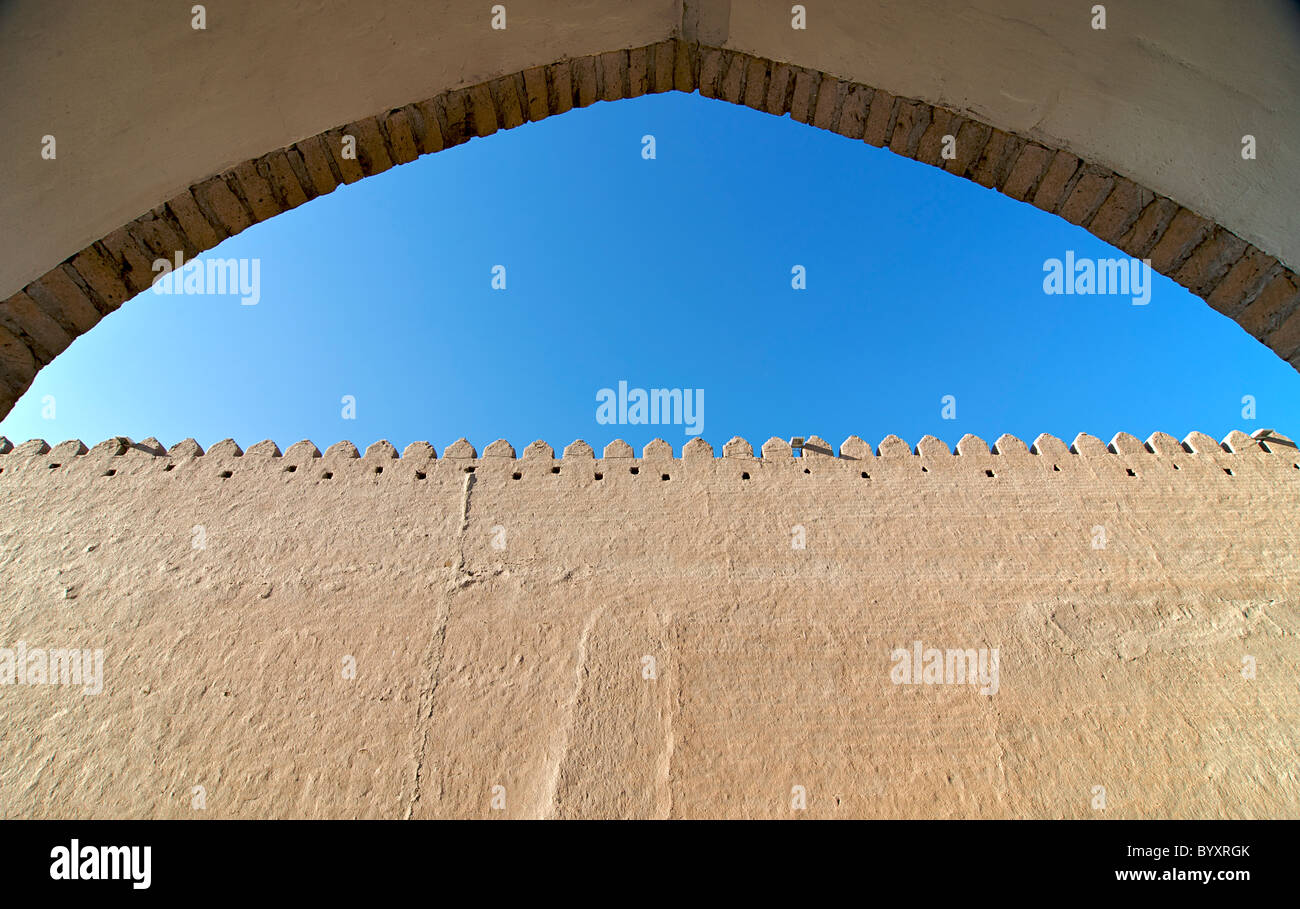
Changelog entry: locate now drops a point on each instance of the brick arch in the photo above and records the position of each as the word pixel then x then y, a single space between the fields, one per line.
pixel 1243 282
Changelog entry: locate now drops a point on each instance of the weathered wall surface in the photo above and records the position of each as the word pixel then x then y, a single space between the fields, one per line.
pixel 500 618
pixel 171 139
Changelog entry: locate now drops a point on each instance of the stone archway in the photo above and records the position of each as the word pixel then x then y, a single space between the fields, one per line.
pixel 1238 266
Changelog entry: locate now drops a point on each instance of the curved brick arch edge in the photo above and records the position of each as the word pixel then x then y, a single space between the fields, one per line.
pixel 1243 282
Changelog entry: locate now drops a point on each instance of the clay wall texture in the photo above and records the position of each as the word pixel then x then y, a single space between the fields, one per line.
pixel 499 610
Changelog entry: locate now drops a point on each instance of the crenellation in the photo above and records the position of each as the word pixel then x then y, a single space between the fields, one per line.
pixel 1264 449
pixel 1088 446
pixel 697 450
pixel 1163 445
pixel 1127 445
pixel 972 446
pixel 32 448
pixel 1200 443
pixel 301 452
pixel 1009 446
pixel 736 447
pixel 1049 446
pixel 855 448
pixel 68 449
pixel 420 451
pixel 228 448
pixel 113 447
pixel 187 448
pixel 891 446
pixel 383 450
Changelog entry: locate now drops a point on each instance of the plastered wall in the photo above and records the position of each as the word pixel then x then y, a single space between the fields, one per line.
pixel 697 633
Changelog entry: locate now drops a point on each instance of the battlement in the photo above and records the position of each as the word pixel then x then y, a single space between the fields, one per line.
pixel 1264 449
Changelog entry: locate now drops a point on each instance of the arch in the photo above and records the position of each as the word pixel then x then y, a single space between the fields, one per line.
pixel 1245 281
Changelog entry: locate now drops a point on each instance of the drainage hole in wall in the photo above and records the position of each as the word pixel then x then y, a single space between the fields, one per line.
pixel 555 470
pixel 1129 471
pixel 988 473
pixel 167 467
pixel 744 476
pixel 663 476
pixel 516 475
pixel 291 468
pixel 1228 472
pixel 379 470
pixel 600 476
pixel 806 470
pixel 925 470
pixel 1176 467
pixel 419 475
pixel 1056 468
pixel 52 466
pixel 634 470
pixel 865 475
pixel 469 469
pixel 109 473
pixel 327 476
pixel 225 474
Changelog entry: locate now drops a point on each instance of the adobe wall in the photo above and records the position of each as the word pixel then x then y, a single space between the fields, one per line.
pixel 171 139
pixel 500 610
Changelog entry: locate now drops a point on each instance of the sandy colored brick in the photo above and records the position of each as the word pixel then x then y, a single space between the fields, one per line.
pixel 1052 187
pixel 222 207
pixel 1209 262
pixel 45 337
pixel 1120 210
pixel 256 190
pixel 613 75
pixel 1147 229
pixel 316 158
pixel 1185 232
pixel 880 119
pixel 401 136
pixel 1275 303
pixel 1243 282
pixel 910 125
pixel 1087 196
pixel 64 301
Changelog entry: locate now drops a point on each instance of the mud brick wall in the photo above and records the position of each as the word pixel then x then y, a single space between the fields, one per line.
pixel 625 636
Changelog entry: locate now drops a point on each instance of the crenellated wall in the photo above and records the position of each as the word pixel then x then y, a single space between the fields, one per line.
pixel 654 636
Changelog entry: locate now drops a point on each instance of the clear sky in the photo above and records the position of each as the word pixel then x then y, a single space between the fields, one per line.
pixel 674 272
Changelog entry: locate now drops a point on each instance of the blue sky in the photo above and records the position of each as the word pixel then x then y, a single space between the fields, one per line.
pixel 665 273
